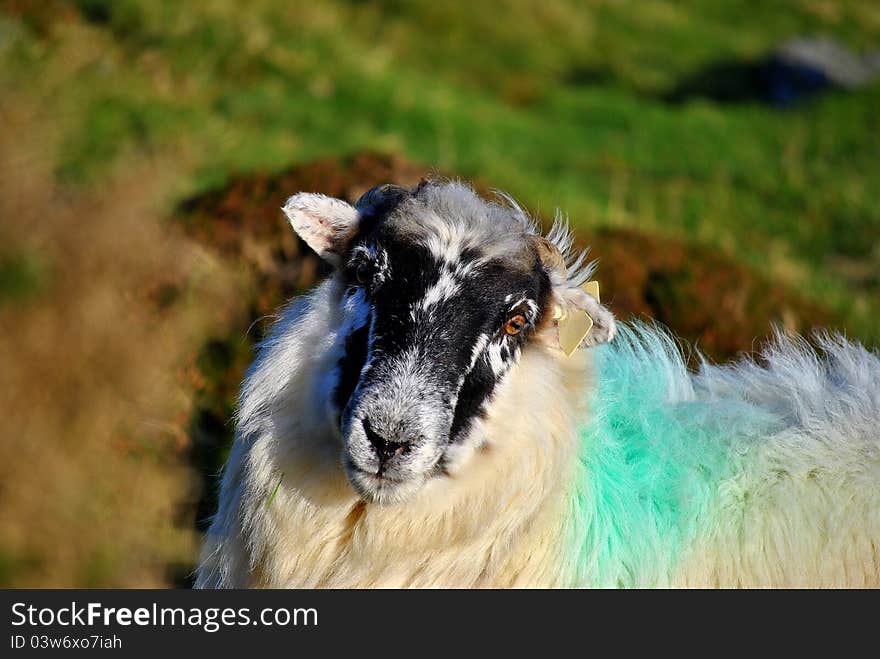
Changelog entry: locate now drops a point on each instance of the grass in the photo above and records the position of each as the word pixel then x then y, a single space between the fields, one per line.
pixel 561 103
pixel 274 492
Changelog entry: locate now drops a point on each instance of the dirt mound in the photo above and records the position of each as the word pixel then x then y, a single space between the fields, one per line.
pixel 705 297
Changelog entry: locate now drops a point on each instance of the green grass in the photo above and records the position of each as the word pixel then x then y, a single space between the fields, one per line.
pixel 558 102
pixel 22 276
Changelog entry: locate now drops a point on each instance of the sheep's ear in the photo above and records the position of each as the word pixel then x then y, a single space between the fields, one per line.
pixel 581 321
pixel 326 224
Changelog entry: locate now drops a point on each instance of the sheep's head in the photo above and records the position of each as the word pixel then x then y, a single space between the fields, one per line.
pixel 441 292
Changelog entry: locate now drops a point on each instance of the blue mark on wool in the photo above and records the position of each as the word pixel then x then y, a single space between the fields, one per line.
pixel 653 455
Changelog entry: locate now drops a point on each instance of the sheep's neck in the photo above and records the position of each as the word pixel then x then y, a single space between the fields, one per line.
pixel 500 514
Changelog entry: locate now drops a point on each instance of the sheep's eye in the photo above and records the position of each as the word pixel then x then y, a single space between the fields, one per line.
pixel 515 324
pixel 362 273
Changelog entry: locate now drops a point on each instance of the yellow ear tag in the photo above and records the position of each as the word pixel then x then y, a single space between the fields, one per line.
pixel 592 287
pixel 574 327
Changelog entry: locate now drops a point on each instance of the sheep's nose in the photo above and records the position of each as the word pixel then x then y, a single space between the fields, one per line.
pixel 384 448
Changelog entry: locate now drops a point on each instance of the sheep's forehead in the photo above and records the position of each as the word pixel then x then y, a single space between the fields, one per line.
pixel 454 224
pixel 444 242
pixel 438 267
pixel 441 260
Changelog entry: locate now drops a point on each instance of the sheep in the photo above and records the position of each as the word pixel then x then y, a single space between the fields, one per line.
pixel 415 422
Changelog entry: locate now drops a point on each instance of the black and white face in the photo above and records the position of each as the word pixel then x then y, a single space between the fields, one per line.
pixel 433 324
pixel 439 333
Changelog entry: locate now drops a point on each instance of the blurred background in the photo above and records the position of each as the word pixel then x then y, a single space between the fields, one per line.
pixel 722 159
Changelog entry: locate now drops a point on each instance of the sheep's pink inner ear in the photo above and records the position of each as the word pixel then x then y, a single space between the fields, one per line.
pixel 326 224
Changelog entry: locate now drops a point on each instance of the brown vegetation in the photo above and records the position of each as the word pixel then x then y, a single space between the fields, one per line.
pixel 98 374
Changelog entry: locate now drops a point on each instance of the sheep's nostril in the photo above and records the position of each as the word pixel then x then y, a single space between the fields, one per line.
pixel 384 449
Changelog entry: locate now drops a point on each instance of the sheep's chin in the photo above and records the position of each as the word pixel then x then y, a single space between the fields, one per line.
pixel 381 490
